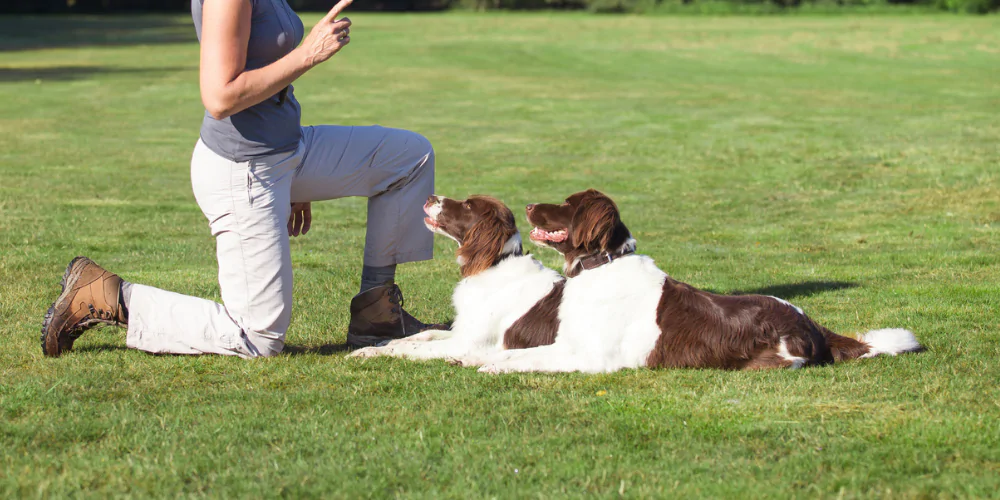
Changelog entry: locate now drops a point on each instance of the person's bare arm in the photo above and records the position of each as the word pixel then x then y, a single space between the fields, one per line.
pixel 226 88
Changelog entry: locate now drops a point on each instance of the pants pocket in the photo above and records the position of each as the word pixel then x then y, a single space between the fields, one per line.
pixel 267 175
pixel 250 184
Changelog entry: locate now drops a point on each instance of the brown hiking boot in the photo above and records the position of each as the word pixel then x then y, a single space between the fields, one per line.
pixel 90 295
pixel 377 316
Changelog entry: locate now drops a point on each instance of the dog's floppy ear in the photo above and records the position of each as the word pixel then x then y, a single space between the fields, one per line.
pixel 594 222
pixel 485 240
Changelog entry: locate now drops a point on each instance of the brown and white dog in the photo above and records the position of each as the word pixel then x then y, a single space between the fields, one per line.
pixel 505 300
pixel 620 311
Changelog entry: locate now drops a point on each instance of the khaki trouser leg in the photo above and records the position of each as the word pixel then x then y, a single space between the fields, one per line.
pixel 393 168
pixel 247 205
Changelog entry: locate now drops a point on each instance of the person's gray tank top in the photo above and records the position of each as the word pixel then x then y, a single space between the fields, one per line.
pixel 273 126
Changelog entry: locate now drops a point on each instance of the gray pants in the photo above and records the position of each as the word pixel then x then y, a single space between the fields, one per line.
pixel 248 204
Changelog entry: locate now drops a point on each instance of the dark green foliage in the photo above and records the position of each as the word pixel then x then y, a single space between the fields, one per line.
pixel 111 6
pixel 601 6
pixel 721 6
pixel 483 5
pixel 970 6
pixel 637 6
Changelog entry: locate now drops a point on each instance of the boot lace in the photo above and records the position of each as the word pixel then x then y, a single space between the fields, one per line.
pixel 100 314
pixel 396 298
pixel 88 321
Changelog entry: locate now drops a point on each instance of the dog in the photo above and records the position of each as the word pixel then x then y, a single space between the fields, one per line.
pixel 619 310
pixel 505 300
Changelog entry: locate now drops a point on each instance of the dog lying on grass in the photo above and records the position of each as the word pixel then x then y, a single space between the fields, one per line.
pixel 619 310
pixel 505 300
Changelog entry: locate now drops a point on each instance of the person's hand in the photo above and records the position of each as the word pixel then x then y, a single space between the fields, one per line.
pixel 328 36
pixel 301 219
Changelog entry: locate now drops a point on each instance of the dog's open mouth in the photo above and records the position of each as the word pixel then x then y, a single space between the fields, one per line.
pixel 429 220
pixel 540 234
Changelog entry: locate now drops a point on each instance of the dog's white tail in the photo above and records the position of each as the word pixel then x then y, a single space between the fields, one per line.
pixel 890 341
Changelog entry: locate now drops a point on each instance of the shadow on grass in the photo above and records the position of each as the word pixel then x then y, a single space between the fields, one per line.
pixel 99 348
pixel 290 350
pixel 67 73
pixel 322 350
pixel 794 290
pixel 47 32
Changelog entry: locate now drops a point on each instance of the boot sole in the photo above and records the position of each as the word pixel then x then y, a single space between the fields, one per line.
pixel 355 341
pixel 359 341
pixel 67 278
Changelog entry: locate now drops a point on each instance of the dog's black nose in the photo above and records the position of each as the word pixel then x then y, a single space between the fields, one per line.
pixel 530 207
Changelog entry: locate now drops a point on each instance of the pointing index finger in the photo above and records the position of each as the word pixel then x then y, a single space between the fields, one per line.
pixel 336 10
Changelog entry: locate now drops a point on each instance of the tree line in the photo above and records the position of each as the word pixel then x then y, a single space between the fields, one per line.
pixel 112 6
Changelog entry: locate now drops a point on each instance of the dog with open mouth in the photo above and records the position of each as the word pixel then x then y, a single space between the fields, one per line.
pixel 619 310
pixel 505 300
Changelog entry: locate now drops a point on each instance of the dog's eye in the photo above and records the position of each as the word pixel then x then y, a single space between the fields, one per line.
pixel 466 204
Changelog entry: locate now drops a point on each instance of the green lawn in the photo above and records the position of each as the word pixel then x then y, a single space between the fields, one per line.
pixel 850 165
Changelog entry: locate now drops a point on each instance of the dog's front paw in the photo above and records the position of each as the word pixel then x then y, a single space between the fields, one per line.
pixel 492 369
pixel 469 361
pixel 366 352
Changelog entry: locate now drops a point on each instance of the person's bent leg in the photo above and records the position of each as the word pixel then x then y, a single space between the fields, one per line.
pixel 396 231
pixel 394 169
pixel 247 205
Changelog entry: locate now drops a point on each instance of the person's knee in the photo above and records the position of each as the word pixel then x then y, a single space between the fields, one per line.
pixel 425 162
pixel 265 344
pixel 417 147
pixel 418 141
pixel 265 336
pixel 426 147
pixel 272 348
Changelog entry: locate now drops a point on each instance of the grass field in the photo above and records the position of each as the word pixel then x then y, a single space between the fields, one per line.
pixel 850 165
